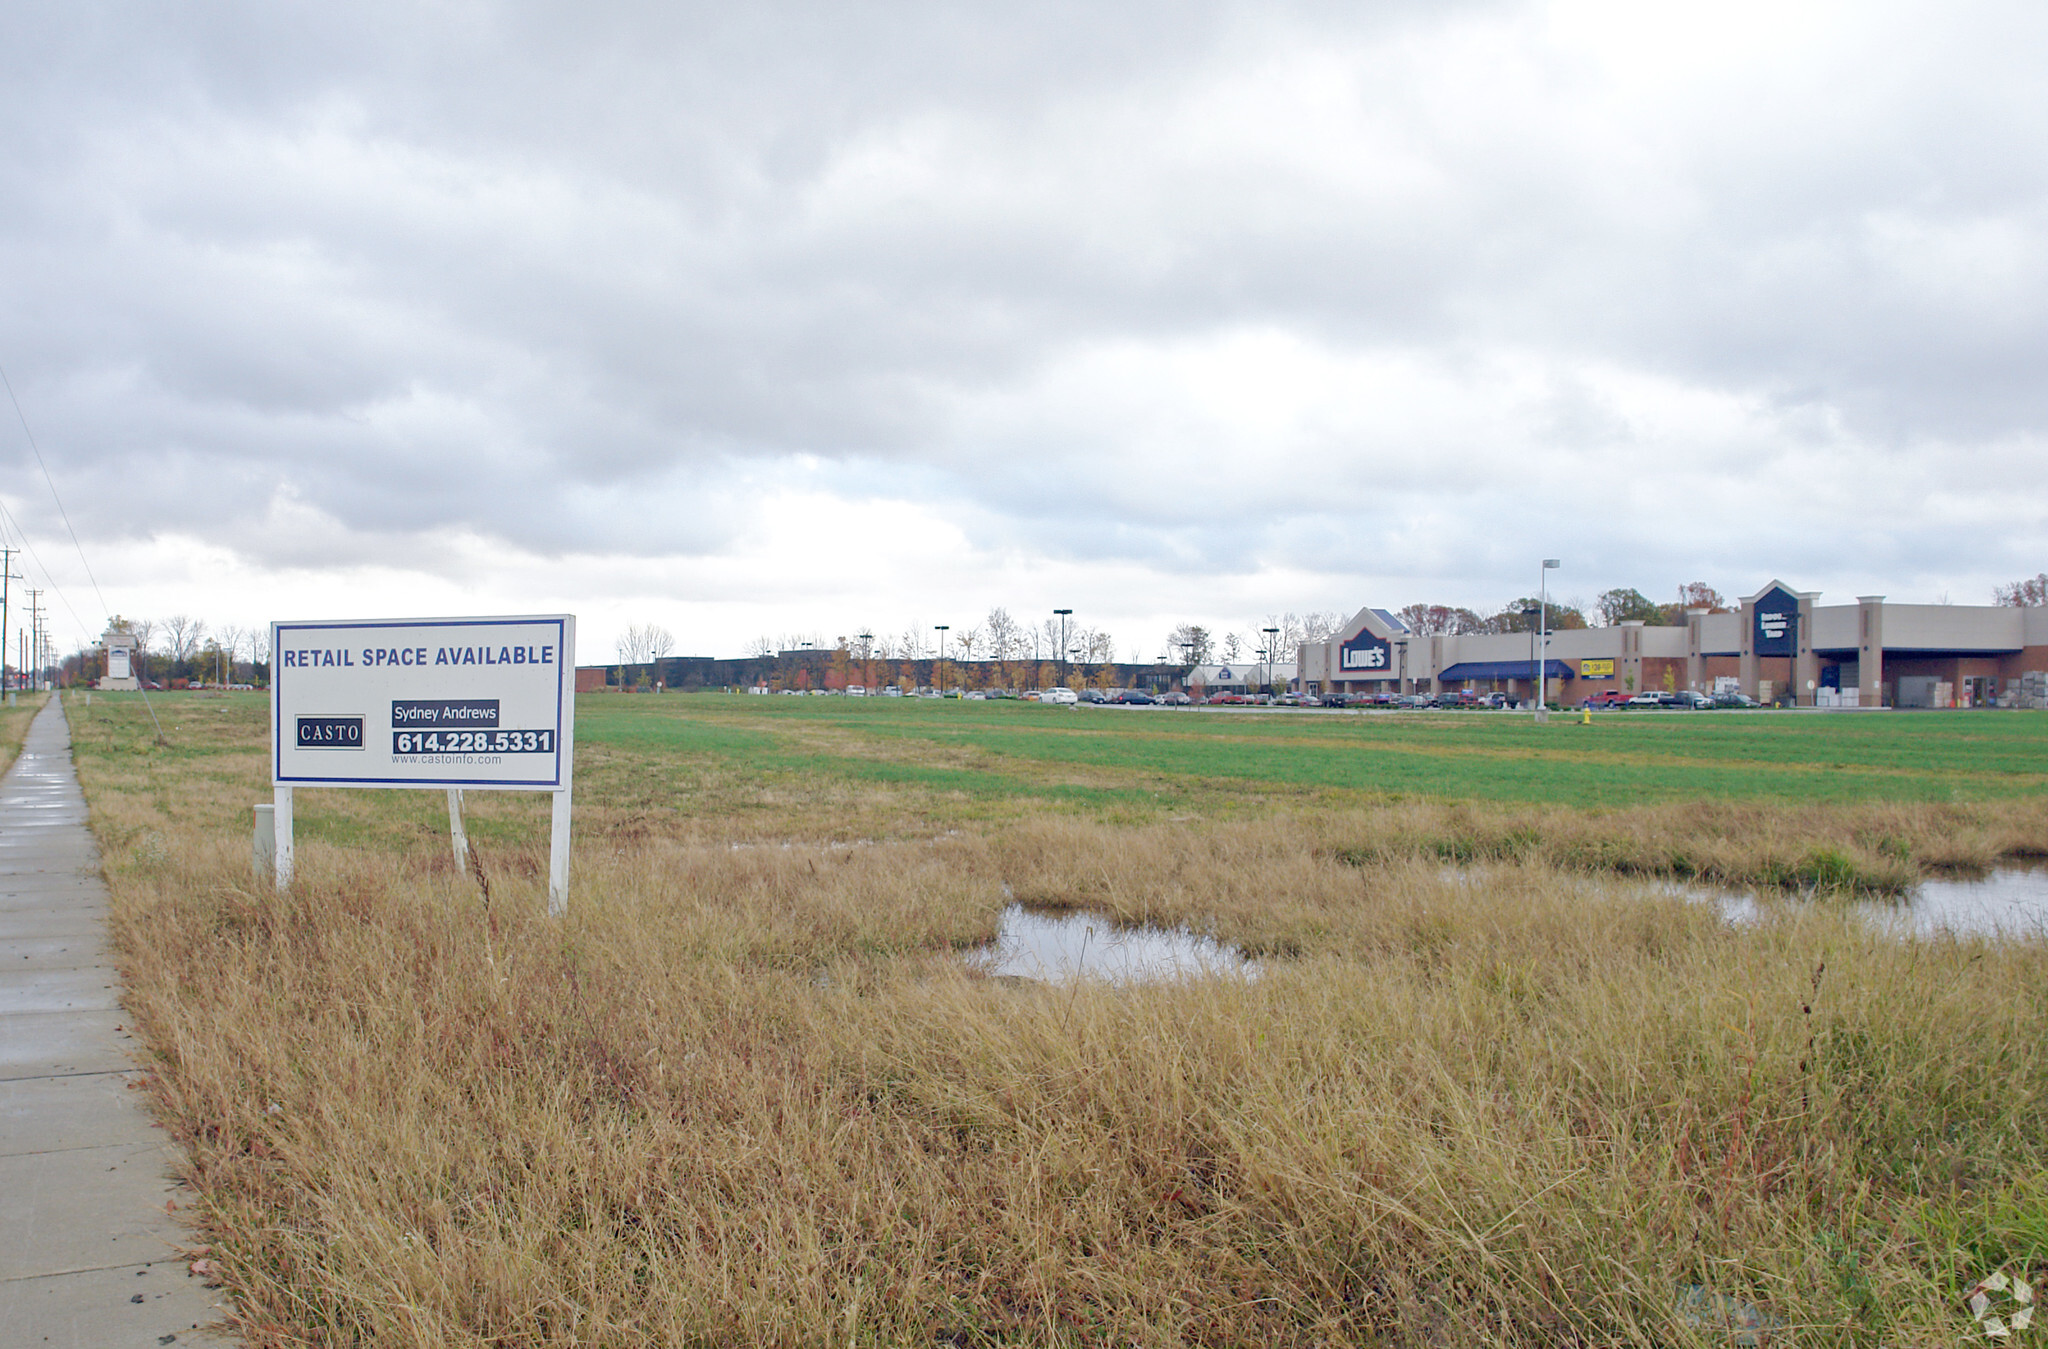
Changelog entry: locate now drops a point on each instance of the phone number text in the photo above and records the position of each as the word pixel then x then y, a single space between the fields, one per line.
pixel 472 742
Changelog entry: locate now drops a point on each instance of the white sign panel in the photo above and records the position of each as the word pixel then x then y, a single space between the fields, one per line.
pixel 427 702
pixel 117 663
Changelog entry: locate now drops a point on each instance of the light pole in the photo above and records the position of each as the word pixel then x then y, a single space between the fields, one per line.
pixel 867 661
pixel 1272 655
pixel 940 628
pixel 1065 614
pixel 1550 564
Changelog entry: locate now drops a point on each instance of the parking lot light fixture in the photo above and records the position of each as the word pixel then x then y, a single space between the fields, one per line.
pixel 1550 564
pixel 941 629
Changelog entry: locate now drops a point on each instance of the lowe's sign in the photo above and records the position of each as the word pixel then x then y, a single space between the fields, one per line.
pixel 1366 654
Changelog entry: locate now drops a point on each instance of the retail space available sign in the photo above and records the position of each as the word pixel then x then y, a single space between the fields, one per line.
pixel 462 703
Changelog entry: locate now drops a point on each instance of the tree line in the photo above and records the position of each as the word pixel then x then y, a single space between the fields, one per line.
pixel 185 648
pixel 1620 605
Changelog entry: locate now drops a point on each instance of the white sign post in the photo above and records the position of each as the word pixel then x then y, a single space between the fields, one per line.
pixel 455 704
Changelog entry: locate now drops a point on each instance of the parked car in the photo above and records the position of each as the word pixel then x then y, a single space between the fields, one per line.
pixel 1135 698
pixel 1607 698
pixel 1692 700
pixel 1064 697
pixel 1735 700
pixel 1175 699
pixel 1646 700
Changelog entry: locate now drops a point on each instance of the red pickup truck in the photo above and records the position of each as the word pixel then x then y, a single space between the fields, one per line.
pixel 1607 698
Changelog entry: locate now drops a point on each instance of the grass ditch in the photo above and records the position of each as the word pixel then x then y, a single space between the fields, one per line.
pixel 744 1093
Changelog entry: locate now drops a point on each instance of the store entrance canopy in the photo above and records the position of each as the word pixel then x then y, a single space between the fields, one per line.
pixel 1503 669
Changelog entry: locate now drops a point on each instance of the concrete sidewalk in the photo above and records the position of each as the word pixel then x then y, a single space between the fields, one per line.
pixel 85 1258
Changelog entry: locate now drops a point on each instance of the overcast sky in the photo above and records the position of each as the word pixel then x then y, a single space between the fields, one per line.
pixel 804 317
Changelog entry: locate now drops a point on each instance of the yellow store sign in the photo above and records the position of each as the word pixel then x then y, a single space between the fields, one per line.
pixel 1596 669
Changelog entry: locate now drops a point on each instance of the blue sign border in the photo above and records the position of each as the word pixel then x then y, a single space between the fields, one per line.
pixel 565 687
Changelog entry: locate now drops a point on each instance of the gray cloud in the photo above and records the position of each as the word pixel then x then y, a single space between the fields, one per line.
pixel 1162 284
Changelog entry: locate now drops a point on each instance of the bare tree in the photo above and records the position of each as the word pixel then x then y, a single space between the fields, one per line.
pixel 1286 638
pixel 761 647
pixel 1005 636
pixel 633 645
pixel 182 636
pixel 1059 637
pixel 1234 644
pixel 660 641
pixel 231 639
pixel 1190 642
pixel 1298 628
pixel 2028 594
pixel 1320 625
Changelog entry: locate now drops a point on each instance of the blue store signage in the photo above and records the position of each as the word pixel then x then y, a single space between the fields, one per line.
pixel 1365 654
pixel 1776 622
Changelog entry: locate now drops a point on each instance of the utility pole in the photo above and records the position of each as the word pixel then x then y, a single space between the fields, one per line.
pixel 32 637
pixel 6 575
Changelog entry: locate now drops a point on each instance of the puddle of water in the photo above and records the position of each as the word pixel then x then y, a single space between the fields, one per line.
pixel 2011 902
pixel 1057 948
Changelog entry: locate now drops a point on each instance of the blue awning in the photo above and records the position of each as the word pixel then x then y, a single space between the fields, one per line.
pixel 1504 669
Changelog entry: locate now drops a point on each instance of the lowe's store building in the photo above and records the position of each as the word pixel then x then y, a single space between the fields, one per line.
pixel 1780 645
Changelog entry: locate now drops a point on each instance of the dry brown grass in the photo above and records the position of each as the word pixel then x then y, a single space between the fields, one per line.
pixel 748 1095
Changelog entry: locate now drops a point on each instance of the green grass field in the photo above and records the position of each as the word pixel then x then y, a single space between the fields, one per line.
pixel 1171 761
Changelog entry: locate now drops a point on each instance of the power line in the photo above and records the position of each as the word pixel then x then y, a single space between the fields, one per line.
pixel 62 513
pixel 22 534
pixel 85 630
pixel 37 558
